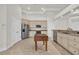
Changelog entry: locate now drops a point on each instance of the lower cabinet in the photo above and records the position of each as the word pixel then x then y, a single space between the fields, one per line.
pixel 74 44
pixel 73 50
pixel 61 39
pixel 69 42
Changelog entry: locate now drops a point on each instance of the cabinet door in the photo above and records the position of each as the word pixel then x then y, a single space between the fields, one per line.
pixel 74 44
pixel 76 38
pixel 73 47
pixel 66 38
pixel 73 50
pixel 59 38
pixel 65 43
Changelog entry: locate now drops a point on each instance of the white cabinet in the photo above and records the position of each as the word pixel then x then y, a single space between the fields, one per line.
pixel 68 41
pixel 76 39
pixel 73 50
pixel 61 38
pixel 74 44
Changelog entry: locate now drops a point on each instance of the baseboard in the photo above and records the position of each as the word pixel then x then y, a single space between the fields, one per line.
pixel 13 44
pixel 3 49
pixel 9 46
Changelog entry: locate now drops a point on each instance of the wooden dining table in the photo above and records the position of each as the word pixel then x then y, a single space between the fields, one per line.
pixel 41 37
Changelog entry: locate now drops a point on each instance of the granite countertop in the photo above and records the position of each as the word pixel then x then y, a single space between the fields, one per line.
pixel 75 33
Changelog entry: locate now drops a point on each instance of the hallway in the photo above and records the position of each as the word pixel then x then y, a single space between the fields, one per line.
pixel 26 47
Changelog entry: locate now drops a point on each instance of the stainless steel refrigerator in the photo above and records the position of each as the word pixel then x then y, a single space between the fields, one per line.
pixel 24 31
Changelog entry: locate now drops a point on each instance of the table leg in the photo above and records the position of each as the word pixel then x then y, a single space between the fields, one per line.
pixel 36 45
pixel 46 45
pixel 43 42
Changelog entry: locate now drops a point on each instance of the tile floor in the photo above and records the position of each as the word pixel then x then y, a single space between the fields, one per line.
pixel 26 47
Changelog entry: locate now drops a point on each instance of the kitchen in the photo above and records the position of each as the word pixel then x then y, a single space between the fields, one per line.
pixel 19 23
pixel 66 24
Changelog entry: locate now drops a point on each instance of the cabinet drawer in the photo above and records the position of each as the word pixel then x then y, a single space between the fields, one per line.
pixel 70 37
pixel 73 50
pixel 65 43
pixel 59 34
pixel 59 40
pixel 76 39
pixel 59 37
pixel 74 44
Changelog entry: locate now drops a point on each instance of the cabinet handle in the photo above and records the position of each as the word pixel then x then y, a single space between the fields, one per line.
pixel 74 44
pixel 75 51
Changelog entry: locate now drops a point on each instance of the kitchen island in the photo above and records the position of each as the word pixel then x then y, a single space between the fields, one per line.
pixel 69 40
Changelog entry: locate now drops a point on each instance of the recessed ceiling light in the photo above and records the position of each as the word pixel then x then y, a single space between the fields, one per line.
pixel 28 8
pixel 72 10
pixel 76 11
pixel 43 9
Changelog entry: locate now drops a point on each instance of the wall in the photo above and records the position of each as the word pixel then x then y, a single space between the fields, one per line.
pixel 10 26
pixel 63 23
pixel 34 23
pixel 25 21
pixel 57 24
pixel 67 22
pixel 74 23
pixel 49 27
pixel 3 27
pixel 14 24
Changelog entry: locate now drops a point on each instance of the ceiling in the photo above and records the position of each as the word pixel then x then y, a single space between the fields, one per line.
pixel 43 9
